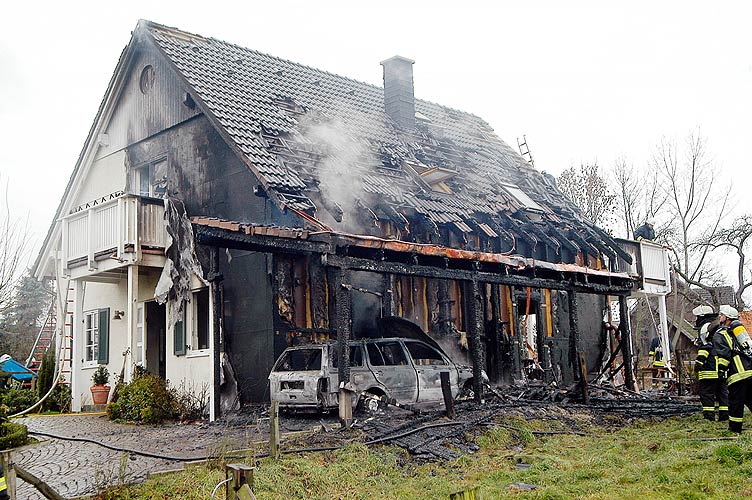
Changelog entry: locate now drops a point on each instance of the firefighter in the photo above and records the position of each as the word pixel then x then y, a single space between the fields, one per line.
pixel 645 232
pixel 733 349
pixel 712 382
pixel 655 357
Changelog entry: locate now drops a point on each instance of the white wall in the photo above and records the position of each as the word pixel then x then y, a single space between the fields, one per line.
pixel 192 371
pixel 107 175
pixel 97 296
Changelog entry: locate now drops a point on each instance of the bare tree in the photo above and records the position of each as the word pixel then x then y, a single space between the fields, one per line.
pixel 735 238
pixel 586 188
pixel 639 196
pixel 14 243
pixel 696 207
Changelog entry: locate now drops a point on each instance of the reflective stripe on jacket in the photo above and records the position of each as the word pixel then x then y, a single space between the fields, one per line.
pixel 705 363
pixel 730 359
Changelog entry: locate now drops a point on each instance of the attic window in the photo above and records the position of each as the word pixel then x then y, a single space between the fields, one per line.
pixel 146 82
pixel 521 197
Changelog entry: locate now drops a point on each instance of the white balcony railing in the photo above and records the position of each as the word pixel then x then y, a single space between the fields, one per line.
pixel 119 228
pixel 649 265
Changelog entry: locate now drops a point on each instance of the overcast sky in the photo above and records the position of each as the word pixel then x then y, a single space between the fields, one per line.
pixel 585 81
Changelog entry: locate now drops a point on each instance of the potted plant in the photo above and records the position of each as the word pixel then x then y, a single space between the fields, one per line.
pixel 100 391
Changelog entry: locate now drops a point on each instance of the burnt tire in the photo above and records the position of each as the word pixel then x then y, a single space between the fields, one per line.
pixel 370 403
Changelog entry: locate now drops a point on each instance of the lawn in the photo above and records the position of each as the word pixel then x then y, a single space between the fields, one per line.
pixel 677 458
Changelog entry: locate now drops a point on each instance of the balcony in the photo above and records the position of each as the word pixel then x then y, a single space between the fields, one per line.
pixel 125 230
pixel 649 268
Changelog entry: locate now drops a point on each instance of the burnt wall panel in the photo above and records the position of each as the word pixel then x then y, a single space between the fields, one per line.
pixel 590 309
pixel 249 332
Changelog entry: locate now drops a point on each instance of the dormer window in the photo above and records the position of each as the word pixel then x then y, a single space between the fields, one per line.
pixel 150 179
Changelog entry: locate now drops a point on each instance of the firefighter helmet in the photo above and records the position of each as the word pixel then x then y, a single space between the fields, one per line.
pixel 728 311
pixel 702 311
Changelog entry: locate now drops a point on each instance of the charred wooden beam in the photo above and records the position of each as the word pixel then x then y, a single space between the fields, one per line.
pixel 319 293
pixel 475 327
pixel 216 283
pixel 517 344
pixel 499 277
pixel 574 331
pixel 626 342
pixel 343 320
pixel 495 367
pixel 445 308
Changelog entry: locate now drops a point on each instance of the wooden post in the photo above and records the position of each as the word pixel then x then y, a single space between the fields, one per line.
pixel 574 331
pixel 345 406
pixel 583 377
pixel 240 484
pixel 626 342
pixel 679 372
pixel 475 325
pixel 10 472
pixel 274 450
pixel 471 494
pixel 446 390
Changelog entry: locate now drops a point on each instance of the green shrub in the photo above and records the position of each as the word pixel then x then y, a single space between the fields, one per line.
pixel 46 372
pixel 59 400
pixel 12 435
pixel 101 376
pixel 17 399
pixel 147 399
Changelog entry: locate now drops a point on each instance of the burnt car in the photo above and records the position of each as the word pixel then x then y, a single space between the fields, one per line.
pixel 396 370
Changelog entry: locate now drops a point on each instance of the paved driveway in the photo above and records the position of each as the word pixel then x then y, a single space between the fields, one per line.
pixel 77 468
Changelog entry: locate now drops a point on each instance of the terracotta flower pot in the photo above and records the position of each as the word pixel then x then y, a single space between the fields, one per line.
pixel 99 394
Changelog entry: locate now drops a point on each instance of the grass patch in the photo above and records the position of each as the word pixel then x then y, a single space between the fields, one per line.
pixel 658 459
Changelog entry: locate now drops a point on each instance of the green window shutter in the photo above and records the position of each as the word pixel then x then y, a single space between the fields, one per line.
pixel 179 335
pixel 104 337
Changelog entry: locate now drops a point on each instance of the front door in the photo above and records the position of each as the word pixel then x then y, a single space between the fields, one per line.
pixel 429 363
pixel 156 348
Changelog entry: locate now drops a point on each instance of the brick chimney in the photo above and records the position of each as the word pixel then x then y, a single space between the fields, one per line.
pixel 399 98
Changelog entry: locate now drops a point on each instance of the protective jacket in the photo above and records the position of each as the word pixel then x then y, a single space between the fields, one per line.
pixel 656 351
pixel 730 358
pixel 706 365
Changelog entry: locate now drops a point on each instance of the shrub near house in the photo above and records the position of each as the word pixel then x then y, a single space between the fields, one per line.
pixel 150 399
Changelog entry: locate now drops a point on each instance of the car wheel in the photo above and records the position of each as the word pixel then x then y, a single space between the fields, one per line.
pixel 371 403
pixel 467 391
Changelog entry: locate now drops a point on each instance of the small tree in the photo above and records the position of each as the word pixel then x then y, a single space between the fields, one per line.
pixel 46 373
pixel 14 243
pixel 586 188
pixel 639 196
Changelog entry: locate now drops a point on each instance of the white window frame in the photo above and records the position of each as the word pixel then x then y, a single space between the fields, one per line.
pixel 192 307
pixel 140 323
pixel 147 168
pixel 91 338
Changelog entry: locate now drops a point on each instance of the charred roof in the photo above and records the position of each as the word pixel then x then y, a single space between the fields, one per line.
pixel 323 144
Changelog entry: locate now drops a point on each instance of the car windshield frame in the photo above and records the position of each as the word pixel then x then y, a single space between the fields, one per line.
pixel 296 360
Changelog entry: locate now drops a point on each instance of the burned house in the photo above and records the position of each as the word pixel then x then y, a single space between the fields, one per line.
pixel 228 204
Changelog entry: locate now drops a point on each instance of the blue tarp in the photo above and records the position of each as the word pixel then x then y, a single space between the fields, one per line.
pixel 16 370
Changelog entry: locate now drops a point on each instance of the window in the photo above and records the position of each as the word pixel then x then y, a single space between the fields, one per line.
pixel 424 355
pixel 179 334
pixel 356 356
pixel 386 354
pixel 96 337
pixel 200 310
pixel 521 197
pixel 150 179
pixel 298 360
pixel 139 335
